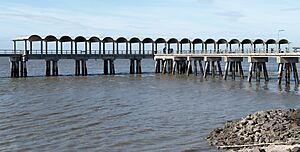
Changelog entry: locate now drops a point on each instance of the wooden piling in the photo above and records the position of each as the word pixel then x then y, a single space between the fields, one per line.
pixel 213 69
pixel 233 70
pixel 164 71
pixel 265 72
pixel 174 67
pixel 250 72
pixel 139 66
pixel 287 74
pixel 206 70
pixel 189 66
pixel 226 70
pixel 111 66
pixel 54 68
pixel 105 67
pixel 258 69
pixel 21 68
pixel 280 70
pixel 295 73
pixel 220 69
pixel 241 72
pixel 195 67
pixel 169 66
pixel 17 69
pixel 200 68
pixel 48 68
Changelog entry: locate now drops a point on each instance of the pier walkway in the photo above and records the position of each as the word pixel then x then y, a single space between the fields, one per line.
pixel 171 56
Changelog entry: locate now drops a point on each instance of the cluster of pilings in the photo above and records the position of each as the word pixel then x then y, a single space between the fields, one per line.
pixel 19 69
pixel 18 66
pixel 109 66
pixel 233 66
pixel 80 67
pixel 289 66
pixel 135 66
pixel 51 67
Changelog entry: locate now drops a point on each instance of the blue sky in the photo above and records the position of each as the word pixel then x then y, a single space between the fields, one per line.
pixel 151 18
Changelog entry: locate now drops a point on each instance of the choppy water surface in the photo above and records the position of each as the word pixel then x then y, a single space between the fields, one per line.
pixel 148 112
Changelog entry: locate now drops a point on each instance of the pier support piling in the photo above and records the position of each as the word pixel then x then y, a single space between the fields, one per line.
pixel 287 64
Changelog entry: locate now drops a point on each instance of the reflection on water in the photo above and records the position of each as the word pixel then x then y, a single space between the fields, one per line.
pixel 149 112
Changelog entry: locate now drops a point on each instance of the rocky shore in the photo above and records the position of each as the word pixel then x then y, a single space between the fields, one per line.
pixel 271 130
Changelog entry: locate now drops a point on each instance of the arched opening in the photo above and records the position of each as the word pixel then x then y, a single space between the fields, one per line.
pixel 51 48
pixel 173 46
pixel 259 46
pixel 210 46
pixel 198 46
pixel 108 45
pixel 148 46
pixel 94 45
pixel 222 46
pixel 64 47
pixel 35 40
pixel 234 46
pixel 160 44
pixel 271 46
pixel 283 46
pixel 122 45
pixel 135 46
pixel 185 45
pixel 80 45
pixel 247 46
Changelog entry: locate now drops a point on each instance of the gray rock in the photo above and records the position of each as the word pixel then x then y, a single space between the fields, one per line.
pixel 295 149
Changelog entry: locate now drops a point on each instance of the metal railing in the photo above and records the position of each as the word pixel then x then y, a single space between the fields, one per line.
pixel 73 52
pixel 232 51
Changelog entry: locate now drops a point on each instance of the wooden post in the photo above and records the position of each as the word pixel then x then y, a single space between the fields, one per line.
pixel 213 70
pixel 48 68
pixel 188 68
pixel 17 69
pixel 25 68
pixel 280 69
pixel 156 66
pixel 105 67
pixel 287 74
pixel 233 70
pixel 113 67
pixel 131 66
pixel 241 70
pixel 174 67
pixel 201 72
pixel 265 72
pixel 250 72
pixel 140 66
pixel 226 70
pixel 206 70
pixel 12 69
pixel 258 69
pixel 295 72
pixel 21 68
pixel 137 66
pixel 169 66
pixel 195 67
pixel 111 70
pixel 220 69
pixel 164 71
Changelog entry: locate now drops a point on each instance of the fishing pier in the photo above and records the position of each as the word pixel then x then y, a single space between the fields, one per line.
pixel 171 56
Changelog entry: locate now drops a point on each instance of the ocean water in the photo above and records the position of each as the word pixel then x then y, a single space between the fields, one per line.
pixel 148 112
